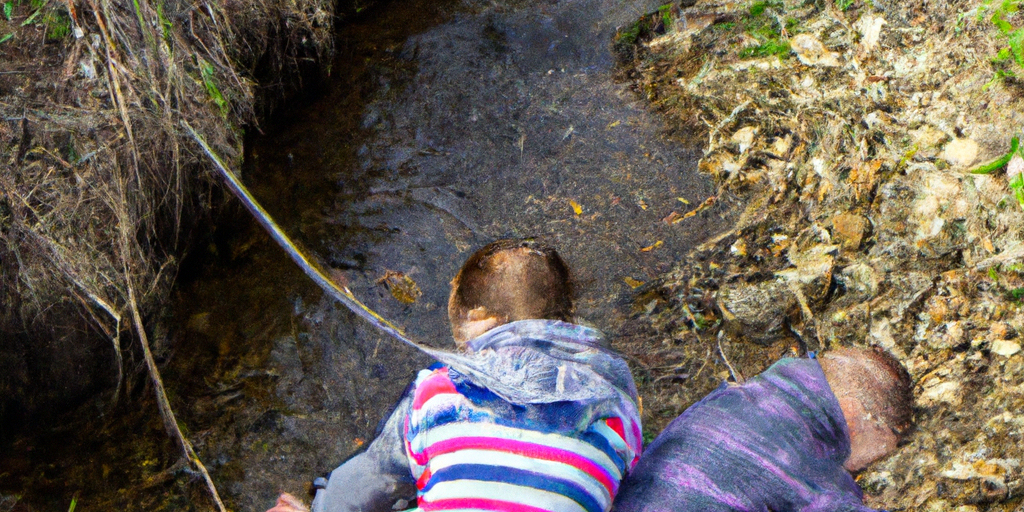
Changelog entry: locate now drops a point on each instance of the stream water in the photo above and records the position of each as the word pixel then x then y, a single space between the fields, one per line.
pixel 446 125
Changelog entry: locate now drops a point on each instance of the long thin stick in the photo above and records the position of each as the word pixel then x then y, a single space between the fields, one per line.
pixel 170 422
pixel 344 295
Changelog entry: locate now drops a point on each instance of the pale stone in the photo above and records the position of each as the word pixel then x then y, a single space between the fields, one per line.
pixel 870 28
pixel 744 137
pixel 927 136
pixel 947 392
pixel 1015 167
pixel 961 152
pixel 811 52
pixel 1005 348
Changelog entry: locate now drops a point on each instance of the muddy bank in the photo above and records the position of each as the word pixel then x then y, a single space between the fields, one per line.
pixel 851 130
pixel 102 195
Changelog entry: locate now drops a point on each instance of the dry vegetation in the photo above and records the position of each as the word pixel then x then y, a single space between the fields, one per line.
pixel 101 189
pixel 849 129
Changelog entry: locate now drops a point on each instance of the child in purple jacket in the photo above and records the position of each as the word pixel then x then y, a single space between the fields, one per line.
pixel 785 440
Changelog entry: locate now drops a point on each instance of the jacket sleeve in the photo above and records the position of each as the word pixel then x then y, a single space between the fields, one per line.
pixel 375 479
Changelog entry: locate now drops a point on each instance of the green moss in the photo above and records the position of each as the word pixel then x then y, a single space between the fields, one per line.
pixel 767 49
pixel 58 25
pixel 767 30
pixel 666 15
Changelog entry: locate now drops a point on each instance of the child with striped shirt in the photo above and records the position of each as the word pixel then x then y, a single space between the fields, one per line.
pixel 555 428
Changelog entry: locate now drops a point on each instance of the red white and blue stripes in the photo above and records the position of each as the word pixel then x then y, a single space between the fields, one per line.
pixel 470 450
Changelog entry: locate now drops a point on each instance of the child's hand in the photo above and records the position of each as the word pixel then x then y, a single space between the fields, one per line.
pixel 288 503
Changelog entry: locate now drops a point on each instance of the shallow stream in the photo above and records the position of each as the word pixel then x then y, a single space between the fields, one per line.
pixel 446 125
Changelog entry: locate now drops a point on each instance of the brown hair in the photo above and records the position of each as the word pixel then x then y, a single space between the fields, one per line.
pixel 879 381
pixel 513 279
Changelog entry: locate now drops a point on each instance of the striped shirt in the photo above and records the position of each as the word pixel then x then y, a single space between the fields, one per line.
pixel 470 449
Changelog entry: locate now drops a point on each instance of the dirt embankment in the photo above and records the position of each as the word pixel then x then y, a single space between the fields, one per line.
pixel 850 130
pixel 102 188
pixel 103 192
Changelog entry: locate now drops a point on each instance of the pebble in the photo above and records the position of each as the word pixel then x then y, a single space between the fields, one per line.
pixel 1005 348
pixel 961 152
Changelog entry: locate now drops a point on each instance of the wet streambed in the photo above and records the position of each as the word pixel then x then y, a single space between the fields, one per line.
pixel 446 125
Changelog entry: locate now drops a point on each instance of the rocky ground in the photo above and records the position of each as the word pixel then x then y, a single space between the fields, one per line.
pixel 850 130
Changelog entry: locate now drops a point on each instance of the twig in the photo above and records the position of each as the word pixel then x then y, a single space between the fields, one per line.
pixel 721 124
pixel 736 376
pixel 170 422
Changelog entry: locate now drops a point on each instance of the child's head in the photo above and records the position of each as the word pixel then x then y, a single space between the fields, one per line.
pixel 505 281
pixel 875 393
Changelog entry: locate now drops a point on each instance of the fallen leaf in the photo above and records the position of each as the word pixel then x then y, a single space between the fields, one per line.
pixel 642 204
pixel 987 244
pixel 633 283
pixel 653 246
pixel 672 218
pixel 401 286
pixel 613 124
pixel 576 207
pixel 703 206
pixel 682 200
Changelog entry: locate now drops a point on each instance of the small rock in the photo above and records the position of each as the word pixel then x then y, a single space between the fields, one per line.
pixel 1015 167
pixel 860 280
pixel 961 152
pixel 758 311
pixel 1005 348
pixel 870 28
pixel 946 392
pixel 850 229
pixel 744 137
pixel 739 248
pixel 813 272
pixel 811 52
pixel 998 331
pixel 927 136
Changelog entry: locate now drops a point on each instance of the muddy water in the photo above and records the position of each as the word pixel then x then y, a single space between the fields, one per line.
pixel 446 125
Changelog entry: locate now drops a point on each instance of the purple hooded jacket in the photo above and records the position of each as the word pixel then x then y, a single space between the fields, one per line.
pixel 776 443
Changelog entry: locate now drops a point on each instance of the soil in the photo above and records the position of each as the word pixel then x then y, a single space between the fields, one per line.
pixel 850 130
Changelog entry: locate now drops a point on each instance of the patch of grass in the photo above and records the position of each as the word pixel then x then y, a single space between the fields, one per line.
pixel 8 10
pixel 767 29
pixel 844 5
pixel 58 25
pixel 207 71
pixel 666 15
pixel 1009 60
pixel 767 49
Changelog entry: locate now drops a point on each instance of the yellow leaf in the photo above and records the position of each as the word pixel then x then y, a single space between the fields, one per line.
pixel 613 124
pixel 576 207
pixel 642 204
pixel 401 286
pixel 653 246
pixel 683 200
pixel 633 283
